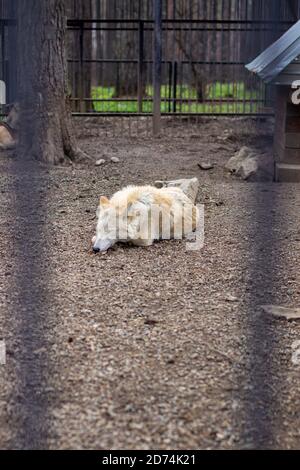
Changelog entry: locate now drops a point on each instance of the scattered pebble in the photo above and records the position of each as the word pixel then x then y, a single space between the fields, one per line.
pixel 151 322
pixel 100 162
pixel 206 165
pixel 115 160
pixel 282 312
pixel 231 298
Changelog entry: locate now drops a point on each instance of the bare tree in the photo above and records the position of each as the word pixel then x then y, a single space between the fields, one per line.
pixel 190 46
pixel 47 131
pixel 126 46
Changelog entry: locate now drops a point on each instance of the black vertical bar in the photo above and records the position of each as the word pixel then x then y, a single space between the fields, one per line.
pixel 2 37
pixel 11 78
pixel 3 71
pixel 81 102
pixel 118 80
pixel 157 68
pixel 3 77
pixel 3 51
pixel 170 74
pixel 174 87
pixel 141 67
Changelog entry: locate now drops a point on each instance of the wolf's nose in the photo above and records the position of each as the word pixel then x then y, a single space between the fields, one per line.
pixel 96 250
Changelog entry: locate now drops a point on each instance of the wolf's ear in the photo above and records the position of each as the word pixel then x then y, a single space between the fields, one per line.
pixel 104 201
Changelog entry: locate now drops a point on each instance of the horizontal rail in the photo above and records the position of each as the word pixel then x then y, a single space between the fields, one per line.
pixel 189 21
pixel 71 21
pixel 150 29
pixel 150 62
pixel 241 114
pixel 169 100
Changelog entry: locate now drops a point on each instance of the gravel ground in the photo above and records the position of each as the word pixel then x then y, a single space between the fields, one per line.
pixel 148 348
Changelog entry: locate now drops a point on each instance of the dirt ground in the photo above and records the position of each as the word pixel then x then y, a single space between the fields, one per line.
pixel 148 348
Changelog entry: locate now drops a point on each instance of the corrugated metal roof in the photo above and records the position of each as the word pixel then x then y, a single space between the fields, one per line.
pixel 278 56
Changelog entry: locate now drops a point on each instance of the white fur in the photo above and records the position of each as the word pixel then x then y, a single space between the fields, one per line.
pixel 142 214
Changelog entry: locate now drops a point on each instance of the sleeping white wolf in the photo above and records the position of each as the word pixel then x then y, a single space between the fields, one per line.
pixel 141 214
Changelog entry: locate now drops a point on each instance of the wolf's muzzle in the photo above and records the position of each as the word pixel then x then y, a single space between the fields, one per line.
pixel 103 245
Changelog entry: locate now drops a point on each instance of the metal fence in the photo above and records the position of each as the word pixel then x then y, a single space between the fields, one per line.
pixel 178 57
pixel 165 57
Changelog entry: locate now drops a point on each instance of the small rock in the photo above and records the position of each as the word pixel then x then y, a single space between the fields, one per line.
pixel 252 166
pixel 115 160
pixel 289 313
pixel 190 186
pixel 86 311
pixel 223 435
pixel 100 162
pixel 234 162
pixel 129 408
pixel 265 168
pixel 248 168
pixel 151 322
pixel 231 298
pixel 206 165
pixel 171 360
pixel 227 135
pixel 40 351
pixel 257 168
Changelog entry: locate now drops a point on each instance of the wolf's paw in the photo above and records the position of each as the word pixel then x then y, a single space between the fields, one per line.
pixel 140 242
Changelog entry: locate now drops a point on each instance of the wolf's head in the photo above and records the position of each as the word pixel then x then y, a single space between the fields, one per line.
pixel 117 223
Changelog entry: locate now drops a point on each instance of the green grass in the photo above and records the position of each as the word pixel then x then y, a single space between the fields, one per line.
pixel 215 95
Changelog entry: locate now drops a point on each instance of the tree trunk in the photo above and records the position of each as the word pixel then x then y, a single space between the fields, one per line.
pixel 46 130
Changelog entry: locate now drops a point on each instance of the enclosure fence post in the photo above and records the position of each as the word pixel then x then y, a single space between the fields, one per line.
pixel 174 87
pixel 3 50
pixel 157 66
pixel 81 71
pixel 141 67
pixel 170 82
pixel 11 70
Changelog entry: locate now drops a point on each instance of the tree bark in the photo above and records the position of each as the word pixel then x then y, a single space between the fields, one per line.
pixel 46 130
